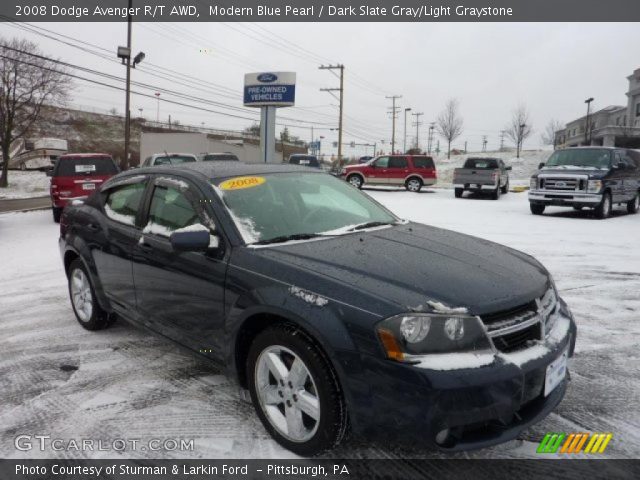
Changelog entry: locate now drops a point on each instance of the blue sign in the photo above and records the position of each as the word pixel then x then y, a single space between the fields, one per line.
pixel 267 77
pixel 276 95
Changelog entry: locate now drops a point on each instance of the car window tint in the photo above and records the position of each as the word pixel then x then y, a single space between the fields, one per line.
pixel 122 203
pixel 423 162
pixel 398 162
pixel 72 166
pixel 382 162
pixel 170 210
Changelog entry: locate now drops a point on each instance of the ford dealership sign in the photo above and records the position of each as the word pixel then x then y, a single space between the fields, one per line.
pixel 270 89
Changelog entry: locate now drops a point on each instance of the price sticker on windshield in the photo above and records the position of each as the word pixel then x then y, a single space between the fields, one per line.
pixel 241 182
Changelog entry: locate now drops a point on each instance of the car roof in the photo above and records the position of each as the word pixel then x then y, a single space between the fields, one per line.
pixel 172 154
pixel 215 170
pixel 84 155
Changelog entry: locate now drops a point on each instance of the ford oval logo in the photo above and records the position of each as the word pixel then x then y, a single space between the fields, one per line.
pixel 267 77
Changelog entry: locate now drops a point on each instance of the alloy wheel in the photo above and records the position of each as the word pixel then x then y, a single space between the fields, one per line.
pixel 81 295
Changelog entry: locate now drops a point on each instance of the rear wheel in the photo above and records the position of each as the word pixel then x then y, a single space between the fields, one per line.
pixel 458 192
pixel 634 204
pixel 57 211
pixel 603 210
pixel 505 189
pixel 355 180
pixel 536 208
pixel 496 193
pixel 83 299
pixel 295 391
pixel 413 185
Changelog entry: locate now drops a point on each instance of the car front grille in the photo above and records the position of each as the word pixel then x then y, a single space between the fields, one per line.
pixel 520 327
pixel 562 184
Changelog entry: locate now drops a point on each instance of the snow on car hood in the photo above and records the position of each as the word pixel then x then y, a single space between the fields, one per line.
pixel 414 265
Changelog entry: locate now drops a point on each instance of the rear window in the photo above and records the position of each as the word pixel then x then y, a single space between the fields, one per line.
pixel 174 160
pixel 481 163
pixel 220 156
pixel 73 166
pixel 307 160
pixel 423 162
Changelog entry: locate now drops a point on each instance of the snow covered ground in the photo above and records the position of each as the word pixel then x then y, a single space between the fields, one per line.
pixel 26 185
pixel 60 380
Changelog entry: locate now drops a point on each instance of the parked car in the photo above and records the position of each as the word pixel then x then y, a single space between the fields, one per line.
pixel 482 175
pixel 305 160
pixel 168 159
pixel 225 156
pixel 275 271
pixel 365 159
pixel 412 171
pixel 75 176
pixel 588 177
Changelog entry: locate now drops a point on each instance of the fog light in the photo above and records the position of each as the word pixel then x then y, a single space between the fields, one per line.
pixel 454 328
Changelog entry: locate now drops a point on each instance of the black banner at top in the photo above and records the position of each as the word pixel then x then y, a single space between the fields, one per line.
pixel 320 10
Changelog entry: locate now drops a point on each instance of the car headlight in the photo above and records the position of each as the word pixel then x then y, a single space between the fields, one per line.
pixel 594 186
pixel 408 336
pixel 533 183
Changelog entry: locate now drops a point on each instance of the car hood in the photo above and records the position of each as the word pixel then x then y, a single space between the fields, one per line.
pixel 415 267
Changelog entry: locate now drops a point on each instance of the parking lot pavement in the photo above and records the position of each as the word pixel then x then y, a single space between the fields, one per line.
pixel 57 379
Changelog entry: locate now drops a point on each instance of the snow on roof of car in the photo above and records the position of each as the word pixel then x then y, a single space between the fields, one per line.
pixel 217 170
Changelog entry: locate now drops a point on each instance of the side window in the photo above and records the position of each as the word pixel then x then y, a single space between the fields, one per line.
pixel 170 210
pixel 617 158
pixel 122 203
pixel 398 162
pixel 382 162
pixel 423 162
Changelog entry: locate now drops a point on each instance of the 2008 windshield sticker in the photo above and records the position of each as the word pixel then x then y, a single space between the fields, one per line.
pixel 241 182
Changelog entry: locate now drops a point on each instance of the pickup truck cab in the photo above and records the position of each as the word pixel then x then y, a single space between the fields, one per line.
pixel 412 171
pixel 482 175
pixel 588 177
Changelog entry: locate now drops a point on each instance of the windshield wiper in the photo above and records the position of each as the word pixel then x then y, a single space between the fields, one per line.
pixel 286 238
pixel 362 226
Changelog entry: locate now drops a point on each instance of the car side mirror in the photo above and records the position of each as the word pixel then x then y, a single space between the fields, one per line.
pixel 508 167
pixel 194 241
pixel 619 166
pixel 540 165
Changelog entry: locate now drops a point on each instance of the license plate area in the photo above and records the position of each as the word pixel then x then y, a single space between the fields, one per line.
pixel 556 371
pixel 88 186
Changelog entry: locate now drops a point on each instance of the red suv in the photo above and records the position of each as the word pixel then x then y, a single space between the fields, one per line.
pixel 76 176
pixel 412 171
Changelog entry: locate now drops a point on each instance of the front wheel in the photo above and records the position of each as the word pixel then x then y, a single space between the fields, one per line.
pixel 295 391
pixel 413 185
pixel 603 210
pixel 634 204
pixel 355 180
pixel 536 208
pixel 458 192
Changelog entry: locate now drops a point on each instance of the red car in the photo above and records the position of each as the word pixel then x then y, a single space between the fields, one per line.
pixel 412 171
pixel 75 176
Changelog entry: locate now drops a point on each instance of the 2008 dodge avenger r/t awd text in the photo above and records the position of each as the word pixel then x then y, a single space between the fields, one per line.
pixel 335 314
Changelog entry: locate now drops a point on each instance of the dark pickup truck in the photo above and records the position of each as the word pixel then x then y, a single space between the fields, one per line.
pixel 588 177
pixel 482 175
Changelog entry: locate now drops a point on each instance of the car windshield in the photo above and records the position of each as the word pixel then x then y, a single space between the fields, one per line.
pixel 300 205
pixel 71 166
pixel 174 159
pixel 594 158
pixel 219 156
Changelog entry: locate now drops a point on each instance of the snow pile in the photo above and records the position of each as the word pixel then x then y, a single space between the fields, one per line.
pixel 26 185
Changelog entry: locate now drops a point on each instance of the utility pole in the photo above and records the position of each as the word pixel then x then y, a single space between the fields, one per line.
pixel 394 112
pixel 430 140
pixel 404 144
pixel 484 143
pixel 417 124
pixel 341 99
pixel 157 94
pixel 502 132
pixel 465 147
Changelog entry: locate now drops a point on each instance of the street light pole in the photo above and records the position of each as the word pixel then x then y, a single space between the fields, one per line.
pixel 404 146
pixel 127 113
pixel 587 130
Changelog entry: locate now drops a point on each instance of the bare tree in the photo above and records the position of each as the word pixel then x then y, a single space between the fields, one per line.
pixel 548 137
pixel 28 81
pixel 449 123
pixel 519 129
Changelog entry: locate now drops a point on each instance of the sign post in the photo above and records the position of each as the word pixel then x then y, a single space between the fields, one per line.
pixel 269 90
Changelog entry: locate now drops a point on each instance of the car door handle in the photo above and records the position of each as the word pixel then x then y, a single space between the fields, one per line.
pixel 145 247
pixel 93 227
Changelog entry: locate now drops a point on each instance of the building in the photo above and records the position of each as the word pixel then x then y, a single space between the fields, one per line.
pixel 613 126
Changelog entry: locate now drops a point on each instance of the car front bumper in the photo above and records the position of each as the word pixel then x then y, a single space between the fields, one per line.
pixel 547 197
pixel 479 407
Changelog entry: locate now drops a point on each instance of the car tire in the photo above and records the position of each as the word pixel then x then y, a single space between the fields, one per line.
pixel 287 404
pixel 83 299
pixel 355 180
pixel 496 193
pixel 458 192
pixel 603 210
pixel 57 212
pixel 536 208
pixel 634 204
pixel 505 189
pixel 413 185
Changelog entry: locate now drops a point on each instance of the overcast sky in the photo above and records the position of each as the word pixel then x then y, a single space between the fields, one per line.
pixel 489 68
